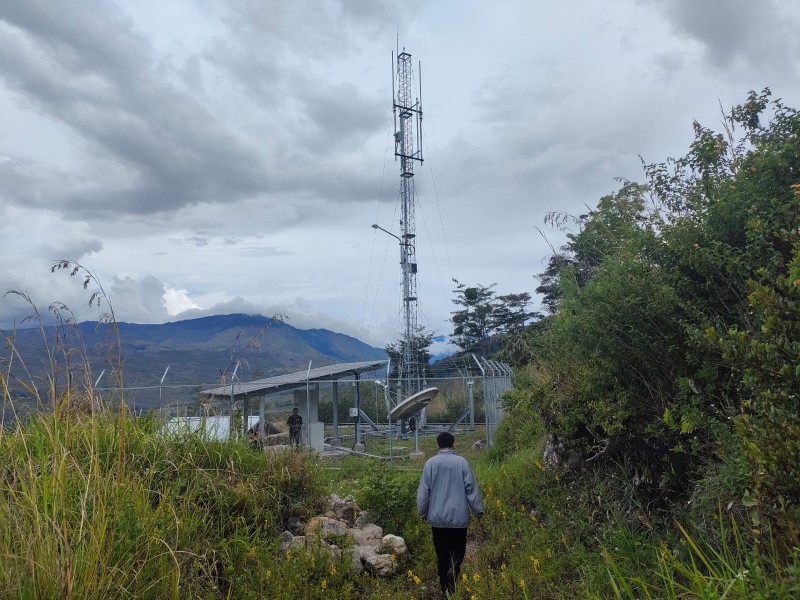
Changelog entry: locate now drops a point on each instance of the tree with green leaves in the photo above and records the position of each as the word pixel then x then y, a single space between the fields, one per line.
pixel 512 312
pixel 421 341
pixel 472 322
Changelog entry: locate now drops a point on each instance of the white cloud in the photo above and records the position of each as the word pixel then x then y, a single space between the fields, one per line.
pixel 178 301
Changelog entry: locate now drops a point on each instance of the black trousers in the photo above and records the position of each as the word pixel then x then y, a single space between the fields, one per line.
pixel 450 545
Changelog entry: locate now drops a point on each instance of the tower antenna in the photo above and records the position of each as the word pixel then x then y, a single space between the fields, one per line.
pixel 407 147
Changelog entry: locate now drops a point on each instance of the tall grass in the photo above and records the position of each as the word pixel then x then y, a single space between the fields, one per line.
pixel 102 505
pixel 704 569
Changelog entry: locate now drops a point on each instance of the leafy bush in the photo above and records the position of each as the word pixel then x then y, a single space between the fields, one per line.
pixel 766 353
pixel 391 496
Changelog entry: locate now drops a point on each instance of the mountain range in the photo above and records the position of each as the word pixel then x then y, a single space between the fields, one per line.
pixel 197 351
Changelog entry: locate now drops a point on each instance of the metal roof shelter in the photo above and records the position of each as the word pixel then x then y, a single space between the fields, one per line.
pixel 289 381
pixel 314 430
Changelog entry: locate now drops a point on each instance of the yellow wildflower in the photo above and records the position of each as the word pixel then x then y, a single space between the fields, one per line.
pixel 522 583
pixel 332 570
pixel 464 577
pixel 410 574
pixel 473 597
pixel 269 573
pixel 503 567
pixel 476 578
pixel 503 514
pixel 417 580
pixel 324 584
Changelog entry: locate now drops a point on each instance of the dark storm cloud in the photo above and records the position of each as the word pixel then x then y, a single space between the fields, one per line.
pixel 312 28
pixel 340 115
pixel 21 179
pixel 82 64
pixel 731 31
pixel 298 60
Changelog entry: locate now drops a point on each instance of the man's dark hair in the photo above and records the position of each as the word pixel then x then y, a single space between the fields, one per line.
pixel 445 440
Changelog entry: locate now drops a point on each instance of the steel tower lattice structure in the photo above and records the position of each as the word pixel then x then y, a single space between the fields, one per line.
pixel 408 148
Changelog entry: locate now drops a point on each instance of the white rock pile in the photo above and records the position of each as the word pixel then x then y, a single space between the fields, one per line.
pixel 372 551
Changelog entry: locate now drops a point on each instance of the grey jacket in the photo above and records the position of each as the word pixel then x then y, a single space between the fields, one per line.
pixel 448 491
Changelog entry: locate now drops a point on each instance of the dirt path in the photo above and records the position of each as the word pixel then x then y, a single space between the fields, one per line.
pixel 472 552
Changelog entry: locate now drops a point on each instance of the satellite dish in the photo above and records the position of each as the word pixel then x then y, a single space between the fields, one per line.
pixel 414 404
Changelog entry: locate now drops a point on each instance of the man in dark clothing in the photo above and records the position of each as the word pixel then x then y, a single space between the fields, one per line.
pixel 295 423
pixel 446 494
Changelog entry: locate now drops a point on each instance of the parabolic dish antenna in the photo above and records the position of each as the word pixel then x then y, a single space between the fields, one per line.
pixel 414 403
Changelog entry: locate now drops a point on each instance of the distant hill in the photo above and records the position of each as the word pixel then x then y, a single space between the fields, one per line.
pixel 198 351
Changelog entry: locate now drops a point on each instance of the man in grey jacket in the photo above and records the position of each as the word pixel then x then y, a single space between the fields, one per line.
pixel 446 494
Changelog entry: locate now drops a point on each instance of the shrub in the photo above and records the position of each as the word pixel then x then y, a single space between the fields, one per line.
pixel 391 496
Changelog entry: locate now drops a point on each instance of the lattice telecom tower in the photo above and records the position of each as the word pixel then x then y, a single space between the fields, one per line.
pixel 408 148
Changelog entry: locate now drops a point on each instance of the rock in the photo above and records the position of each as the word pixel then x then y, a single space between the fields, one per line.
pixel 381 565
pixel 325 527
pixel 334 553
pixel 286 539
pixel 394 544
pixel 295 526
pixel 372 551
pixel 356 557
pixel 297 542
pixel 369 535
pixel 343 509
pixel 553 452
pixel 364 518
pixel 365 558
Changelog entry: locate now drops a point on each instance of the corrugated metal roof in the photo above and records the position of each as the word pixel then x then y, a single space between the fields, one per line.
pixel 292 380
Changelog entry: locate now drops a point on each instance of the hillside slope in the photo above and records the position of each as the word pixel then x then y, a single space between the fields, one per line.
pixel 196 350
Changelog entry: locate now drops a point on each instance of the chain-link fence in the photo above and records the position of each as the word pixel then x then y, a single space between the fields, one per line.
pixel 468 400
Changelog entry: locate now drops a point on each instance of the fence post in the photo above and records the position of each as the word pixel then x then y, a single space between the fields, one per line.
pixel 261 416
pixel 471 398
pixel 335 390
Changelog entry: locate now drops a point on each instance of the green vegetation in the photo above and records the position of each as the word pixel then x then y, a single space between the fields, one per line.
pixel 483 314
pixel 649 450
pixel 666 376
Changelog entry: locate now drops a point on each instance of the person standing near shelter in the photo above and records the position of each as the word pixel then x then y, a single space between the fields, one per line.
pixel 295 423
pixel 446 494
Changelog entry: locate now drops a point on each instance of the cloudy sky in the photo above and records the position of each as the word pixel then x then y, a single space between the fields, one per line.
pixel 217 156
